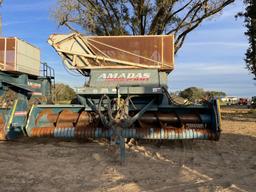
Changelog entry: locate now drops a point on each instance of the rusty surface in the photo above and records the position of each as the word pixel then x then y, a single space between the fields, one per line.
pixel 140 133
pixel 152 51
pixel 68 124
pixel 50 124
pixel 43 132
pixel 7 46
pixel 157 48
pixel 2 132
pixel 47 113
pixel 170 118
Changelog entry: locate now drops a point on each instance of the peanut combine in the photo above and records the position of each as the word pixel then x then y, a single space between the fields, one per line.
pixel 126 95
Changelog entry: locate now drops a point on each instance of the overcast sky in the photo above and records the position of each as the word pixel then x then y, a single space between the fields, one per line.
pixel 211 58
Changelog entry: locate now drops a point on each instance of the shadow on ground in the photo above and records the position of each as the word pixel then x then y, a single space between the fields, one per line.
pixel 50 165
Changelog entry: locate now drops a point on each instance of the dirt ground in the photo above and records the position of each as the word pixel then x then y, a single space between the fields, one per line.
pixel 50 165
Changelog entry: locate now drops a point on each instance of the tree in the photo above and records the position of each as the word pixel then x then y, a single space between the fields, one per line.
pixel 250 23
pixel 192 94
pixel 195 94
pixel 137 17
pixel 63 92
pixel 213 94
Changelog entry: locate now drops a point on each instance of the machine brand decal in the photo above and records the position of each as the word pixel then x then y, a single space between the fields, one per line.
pixel 124 77
pixel 34 85
pixel 36 93
pixel 20 113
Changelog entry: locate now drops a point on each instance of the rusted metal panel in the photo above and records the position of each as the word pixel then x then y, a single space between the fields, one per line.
pixel 153 49
pixel 2 127
pixel 139 133
pixel 19 56
pixel 81 125
pixel 114 52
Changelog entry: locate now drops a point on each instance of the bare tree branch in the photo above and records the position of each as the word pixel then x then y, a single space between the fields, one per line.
pixel 138 17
